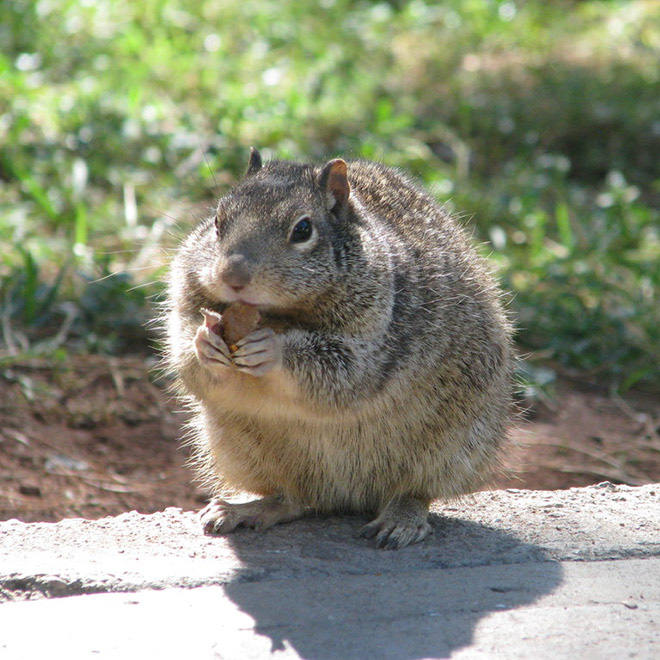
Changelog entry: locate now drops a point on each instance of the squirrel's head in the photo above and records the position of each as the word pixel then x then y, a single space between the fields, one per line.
pixel 280 236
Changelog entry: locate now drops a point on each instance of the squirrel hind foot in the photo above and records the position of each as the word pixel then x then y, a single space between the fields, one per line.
pixel 222 517
pixel 402 521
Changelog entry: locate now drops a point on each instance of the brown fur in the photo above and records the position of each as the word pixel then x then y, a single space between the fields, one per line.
pixel 396 372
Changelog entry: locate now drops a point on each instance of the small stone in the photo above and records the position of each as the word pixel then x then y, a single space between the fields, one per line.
pixel 29 490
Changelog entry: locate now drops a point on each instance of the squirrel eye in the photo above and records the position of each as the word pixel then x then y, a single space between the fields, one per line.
pixel 301 231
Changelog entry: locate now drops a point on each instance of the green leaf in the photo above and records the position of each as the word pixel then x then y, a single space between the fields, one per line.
pixel 564 225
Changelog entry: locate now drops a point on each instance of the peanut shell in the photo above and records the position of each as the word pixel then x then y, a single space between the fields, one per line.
pixel 238 321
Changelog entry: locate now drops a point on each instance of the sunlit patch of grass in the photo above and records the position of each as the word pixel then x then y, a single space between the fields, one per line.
pixel 538 121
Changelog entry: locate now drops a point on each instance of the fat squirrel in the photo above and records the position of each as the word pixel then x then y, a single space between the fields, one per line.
pixel 380 376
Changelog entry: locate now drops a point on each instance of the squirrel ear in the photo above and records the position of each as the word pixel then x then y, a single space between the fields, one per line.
pixel 255 162
pixel 334 181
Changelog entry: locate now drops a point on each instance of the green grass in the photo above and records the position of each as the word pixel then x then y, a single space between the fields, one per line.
pixel 539 122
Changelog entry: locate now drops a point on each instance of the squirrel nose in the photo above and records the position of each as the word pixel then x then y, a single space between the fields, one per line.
pixel 236 272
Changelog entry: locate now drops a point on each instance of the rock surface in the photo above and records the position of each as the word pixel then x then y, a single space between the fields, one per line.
pixel 510 574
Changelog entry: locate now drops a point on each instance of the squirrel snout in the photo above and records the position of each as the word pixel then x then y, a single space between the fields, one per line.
pixel 236 272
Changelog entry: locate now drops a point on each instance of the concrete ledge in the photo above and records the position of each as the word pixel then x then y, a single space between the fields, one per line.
pixel 511 574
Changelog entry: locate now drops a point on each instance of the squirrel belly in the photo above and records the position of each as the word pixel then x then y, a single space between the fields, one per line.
pixel 380 375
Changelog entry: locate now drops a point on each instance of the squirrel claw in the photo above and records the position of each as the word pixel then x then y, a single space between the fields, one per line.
pixel 222 517
pixel 259 352
pixel 403 521
pixel 210 350
pixel 395 535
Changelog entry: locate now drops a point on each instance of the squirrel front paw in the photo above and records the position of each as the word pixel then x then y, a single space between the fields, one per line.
pixel 212 352
pixel 259 352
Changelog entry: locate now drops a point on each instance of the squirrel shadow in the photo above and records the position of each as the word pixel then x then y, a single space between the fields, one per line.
pixel 309 586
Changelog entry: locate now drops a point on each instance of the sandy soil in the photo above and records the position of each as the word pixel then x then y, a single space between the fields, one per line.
pixel 95 436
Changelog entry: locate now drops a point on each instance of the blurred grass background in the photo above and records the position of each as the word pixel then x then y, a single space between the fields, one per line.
pixel 538 122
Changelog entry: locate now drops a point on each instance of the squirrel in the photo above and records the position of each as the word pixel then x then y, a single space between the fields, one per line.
pixel 380 376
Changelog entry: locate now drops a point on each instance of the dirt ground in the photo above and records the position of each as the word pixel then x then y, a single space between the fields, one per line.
pixel 94 436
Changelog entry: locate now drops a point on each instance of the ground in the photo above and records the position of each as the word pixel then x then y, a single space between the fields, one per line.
pixel 93 436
